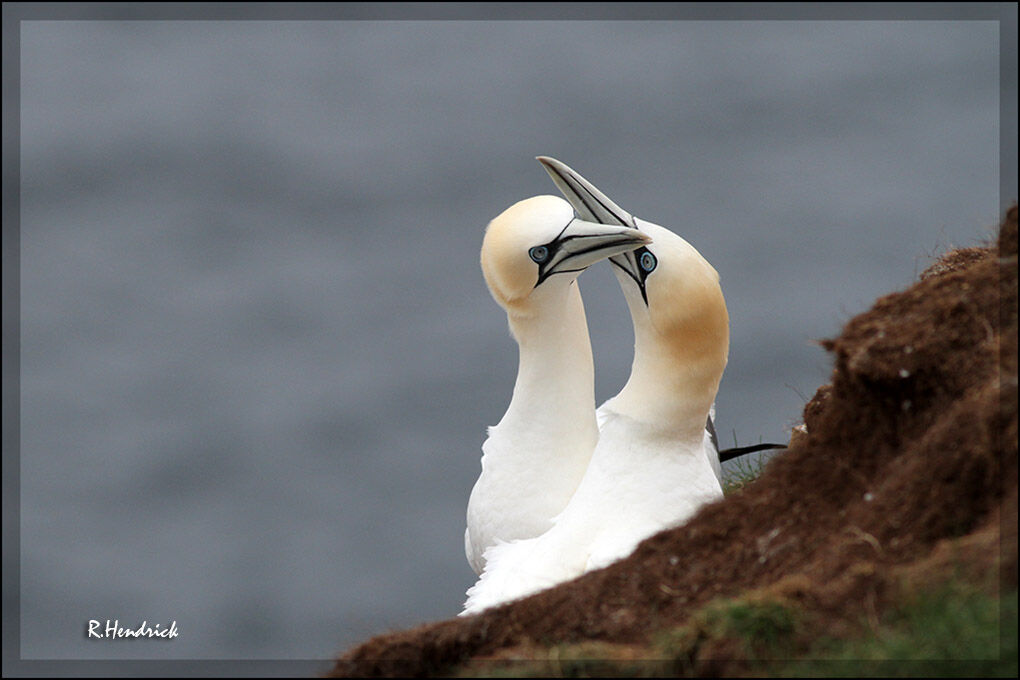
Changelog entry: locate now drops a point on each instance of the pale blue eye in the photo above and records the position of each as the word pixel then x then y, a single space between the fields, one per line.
pixel 648 261
pixel 539 254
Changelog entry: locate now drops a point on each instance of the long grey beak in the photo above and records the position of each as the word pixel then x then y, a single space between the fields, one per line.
pixel 583 243
pixel 593 205
pixel 589 203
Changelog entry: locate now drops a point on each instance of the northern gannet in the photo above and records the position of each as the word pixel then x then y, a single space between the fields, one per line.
pixel 591 204
pixel 654 465
pixel 535 457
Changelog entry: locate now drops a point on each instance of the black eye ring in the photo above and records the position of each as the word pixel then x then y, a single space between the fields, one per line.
pixel 539 254
pixel 648 261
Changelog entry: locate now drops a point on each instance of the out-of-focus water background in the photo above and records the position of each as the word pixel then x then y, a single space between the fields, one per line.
pixel 258 356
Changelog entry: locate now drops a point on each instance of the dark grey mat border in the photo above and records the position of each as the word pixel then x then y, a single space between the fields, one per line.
pixel 14 13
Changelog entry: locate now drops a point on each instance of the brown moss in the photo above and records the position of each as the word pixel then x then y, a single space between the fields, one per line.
pixel 912 447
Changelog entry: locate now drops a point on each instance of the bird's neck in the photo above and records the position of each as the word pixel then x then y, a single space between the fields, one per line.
pixel 674 379
pixel 555 374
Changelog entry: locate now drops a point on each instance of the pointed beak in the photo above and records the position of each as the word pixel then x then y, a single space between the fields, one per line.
pixel 583 243
pixel 589 203
pixel 592 205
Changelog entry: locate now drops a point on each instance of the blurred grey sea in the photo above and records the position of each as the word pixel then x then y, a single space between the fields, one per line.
pixel 258 356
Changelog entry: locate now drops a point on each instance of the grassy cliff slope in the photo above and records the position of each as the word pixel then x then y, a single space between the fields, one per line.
pixel 884 539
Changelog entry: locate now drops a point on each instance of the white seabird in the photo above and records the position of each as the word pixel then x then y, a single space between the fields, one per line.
pixel 535 457
pixel 654 465
pixel 591 204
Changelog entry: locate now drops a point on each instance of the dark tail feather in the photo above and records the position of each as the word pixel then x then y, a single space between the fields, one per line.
pixel 710 426
pixel 736 452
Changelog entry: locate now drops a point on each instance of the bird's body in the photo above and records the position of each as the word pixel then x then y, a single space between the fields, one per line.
pixel 534 459
pixel 637 483
pixel 654 465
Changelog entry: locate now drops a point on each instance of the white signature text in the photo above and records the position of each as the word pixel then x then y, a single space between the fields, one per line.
pixel 113 630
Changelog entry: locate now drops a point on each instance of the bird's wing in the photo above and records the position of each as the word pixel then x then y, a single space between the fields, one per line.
pixel 469 551
pixel 712 444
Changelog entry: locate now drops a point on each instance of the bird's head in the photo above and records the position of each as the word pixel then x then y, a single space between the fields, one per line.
pixel 538 246
pixel 681 325
pixel 675 292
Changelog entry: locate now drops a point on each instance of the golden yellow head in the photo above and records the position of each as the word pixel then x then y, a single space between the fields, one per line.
pixel 674 292
pixel 538 242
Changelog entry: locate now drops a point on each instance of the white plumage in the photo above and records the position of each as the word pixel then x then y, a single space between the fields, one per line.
pixel 535 457
pixel 654 465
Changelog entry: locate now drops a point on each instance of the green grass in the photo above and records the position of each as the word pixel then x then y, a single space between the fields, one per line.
pixel 581 660
pixel 765 628
pixel 758 628
pixel 954 630
pixel 742 471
